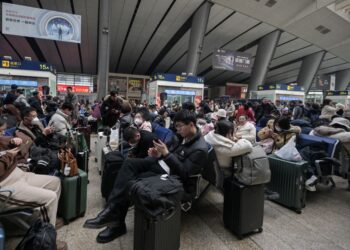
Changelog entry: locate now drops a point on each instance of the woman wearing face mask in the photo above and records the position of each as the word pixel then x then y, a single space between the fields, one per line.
pixel 245 129
pixel 283 131
pixel 141 120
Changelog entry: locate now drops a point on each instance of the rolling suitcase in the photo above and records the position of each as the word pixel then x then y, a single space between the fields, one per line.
pixel 112 164
pixel 73 198
pixel 100 144
pixel 157 235
pixel 86 131
pixel 288 180
pixel 83 161
pixel 243 207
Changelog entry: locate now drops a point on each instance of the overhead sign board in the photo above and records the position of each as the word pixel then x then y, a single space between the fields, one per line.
pixel 27 65
pixel 337 93
pixel 19 83
pixel 177 78
pixel 280 87
pixel 232 60
pixel 40 23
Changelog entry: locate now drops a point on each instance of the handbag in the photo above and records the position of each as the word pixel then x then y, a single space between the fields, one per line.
pixel 66 157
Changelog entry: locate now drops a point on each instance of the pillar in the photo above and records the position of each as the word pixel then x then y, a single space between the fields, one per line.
pixel 342 79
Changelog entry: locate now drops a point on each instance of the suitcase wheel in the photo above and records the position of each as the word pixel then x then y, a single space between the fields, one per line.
pixel 99 172
pixel 95 159
pixel 260 230
pixel 82 215
pixel 298 211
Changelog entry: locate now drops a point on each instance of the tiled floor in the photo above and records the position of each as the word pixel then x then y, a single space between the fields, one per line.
pixel 324 223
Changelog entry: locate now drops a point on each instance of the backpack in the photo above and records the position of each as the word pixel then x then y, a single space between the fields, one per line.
pixel 157 196
pixel 253 168
pixel 40 236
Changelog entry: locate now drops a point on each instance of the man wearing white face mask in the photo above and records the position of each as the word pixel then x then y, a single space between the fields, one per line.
pixel 31 127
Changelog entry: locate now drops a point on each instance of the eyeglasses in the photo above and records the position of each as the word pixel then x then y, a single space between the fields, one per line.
pixel 179 126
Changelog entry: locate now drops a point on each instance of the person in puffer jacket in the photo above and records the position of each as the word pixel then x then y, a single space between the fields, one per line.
pixel 224 145
pixel 61 119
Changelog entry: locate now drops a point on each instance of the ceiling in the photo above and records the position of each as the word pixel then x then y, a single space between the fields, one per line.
pixel 149 36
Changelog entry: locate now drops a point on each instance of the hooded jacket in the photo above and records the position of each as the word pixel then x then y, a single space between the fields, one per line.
pixel 225 148
pixel 336 133
pixel 22 99
pixel 247 131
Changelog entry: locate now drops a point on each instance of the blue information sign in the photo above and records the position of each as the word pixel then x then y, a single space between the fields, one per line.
pixel 27 65
pixel 180 92
pixel 19 83
pixel 280 87
pixel 177 78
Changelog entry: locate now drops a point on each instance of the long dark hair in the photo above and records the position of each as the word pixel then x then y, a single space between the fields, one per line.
pixel 224 128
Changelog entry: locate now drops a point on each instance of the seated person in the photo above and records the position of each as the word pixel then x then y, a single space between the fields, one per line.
pixel 183 159
pixel 139 140
pixel 283 131
pixel 245 129
pixel 206 128
pixel 163 118
pixel 125 118
pixel 32 128
pixel 61 121
pixel 141 120
pixel 224 145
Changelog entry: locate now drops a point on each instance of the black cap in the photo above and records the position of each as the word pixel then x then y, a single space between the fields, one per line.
pixel 14 86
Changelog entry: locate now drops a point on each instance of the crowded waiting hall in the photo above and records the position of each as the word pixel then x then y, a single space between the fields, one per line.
pixel 175 124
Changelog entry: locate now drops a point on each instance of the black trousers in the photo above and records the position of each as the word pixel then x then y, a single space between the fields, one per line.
pixel 131 169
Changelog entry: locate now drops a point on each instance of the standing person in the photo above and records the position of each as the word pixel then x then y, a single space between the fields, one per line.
pixel 73 99
pixel 328 110
pixel 298 111
pixel 11 95
pixel 110 109
pixel 35 102
pixel 21 98
pixel 264 109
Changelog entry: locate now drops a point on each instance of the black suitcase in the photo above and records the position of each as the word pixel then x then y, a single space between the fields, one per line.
pixel 157 235
pixel 243 207
pixel 83 161
pixel 112 164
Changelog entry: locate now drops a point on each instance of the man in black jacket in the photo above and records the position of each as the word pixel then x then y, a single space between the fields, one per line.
pixel 140 141
pixel 110 109
pixel 35 102
pixel 184 159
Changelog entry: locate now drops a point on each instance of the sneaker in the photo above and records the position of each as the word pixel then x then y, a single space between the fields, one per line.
pixel 311 181
pixel 311 188
pixel 61 245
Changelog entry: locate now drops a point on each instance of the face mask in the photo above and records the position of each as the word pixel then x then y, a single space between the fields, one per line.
pixel 35 121
pixel 278 129
pixel 138 121
pixel 133 144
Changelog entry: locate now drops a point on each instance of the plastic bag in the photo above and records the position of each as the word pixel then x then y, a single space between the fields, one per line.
pixel 114 139
pixel 289 152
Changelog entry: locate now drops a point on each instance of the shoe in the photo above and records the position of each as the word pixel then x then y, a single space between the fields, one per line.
pixel 111 233
pixel 61 245
pixel 311 180
pixel 59 223
pixel 105 218
pixel 311 188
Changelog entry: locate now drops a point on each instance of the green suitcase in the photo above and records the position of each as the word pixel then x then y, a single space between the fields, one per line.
pixel 288 180
pixel 72 202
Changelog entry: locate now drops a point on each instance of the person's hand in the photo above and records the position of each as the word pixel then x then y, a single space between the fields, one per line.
pixel 48 130
pixel 152 152
pixel 13 151
pixel 274 135
pixel 161 147
pixel 16 141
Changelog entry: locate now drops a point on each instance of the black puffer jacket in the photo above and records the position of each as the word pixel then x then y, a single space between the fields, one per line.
pixel 187 159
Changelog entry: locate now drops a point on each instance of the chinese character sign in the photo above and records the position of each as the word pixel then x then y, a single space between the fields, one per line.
pixel 33 22
pixel 232 60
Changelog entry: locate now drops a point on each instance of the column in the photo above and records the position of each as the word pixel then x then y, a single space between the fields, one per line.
pixel 342 79
pixel 309 68
pixel 103 49
pixel 266 49
pixel 198 28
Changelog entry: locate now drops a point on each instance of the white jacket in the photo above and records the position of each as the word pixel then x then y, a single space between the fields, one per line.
pixel 225 149
pixel 247 131
pixel 61 123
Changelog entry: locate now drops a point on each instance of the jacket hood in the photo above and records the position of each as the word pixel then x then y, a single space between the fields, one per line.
pixel 218 140
pixel 327 131
pixel 60 112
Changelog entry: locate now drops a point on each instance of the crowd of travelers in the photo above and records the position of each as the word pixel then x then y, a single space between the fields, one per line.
pixel 232 128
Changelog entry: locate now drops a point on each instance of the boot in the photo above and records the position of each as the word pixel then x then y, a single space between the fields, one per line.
pixel 107 217
pixel 111 233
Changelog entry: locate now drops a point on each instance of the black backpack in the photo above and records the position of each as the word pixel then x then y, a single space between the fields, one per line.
pixel 40 236
pixel 157 196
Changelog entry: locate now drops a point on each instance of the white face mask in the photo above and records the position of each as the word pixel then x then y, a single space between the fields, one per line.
pixel 278 129
pixel 138 121
pixel 35 121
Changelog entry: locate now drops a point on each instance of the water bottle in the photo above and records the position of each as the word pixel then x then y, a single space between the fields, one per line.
pixel 66 171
